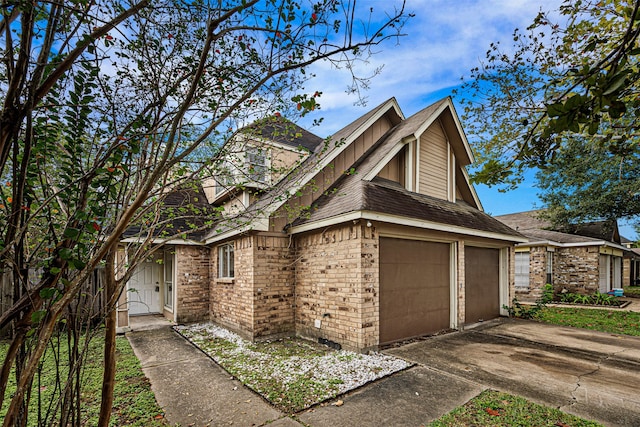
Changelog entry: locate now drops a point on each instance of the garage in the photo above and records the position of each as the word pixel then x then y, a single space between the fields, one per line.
pixel 482 281
pixel 415 288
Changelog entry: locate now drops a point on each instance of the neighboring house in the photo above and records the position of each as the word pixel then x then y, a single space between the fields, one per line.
pixel 372 236
pixel 583 258
pixel 631 264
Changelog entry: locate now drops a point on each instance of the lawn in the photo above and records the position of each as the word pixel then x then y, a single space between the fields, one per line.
pixel 632 291
pixel 491 408
pixel 613 321
pixel 134 402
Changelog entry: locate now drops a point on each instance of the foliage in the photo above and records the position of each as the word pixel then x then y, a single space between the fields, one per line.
pixel 105 108
pixel 587 181
pixel 571 75
pixel 527 311
pixel 632 291
pixel 493 408
pixel 594 299
pixel 610 321
pixel 134 403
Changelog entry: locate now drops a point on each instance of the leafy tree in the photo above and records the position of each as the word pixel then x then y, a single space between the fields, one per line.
pixel 586 181
pixel 571 76
pixel 106 105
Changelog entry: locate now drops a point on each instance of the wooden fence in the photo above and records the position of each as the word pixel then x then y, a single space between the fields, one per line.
pixel 88 307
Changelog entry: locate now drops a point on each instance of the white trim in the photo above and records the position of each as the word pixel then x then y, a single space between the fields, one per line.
pixel 173 281
pixel 162 241
pixel 417 162
pixel 471 188
pixel 453 293
pixel 411 222
pixel 570 245
pixel 405 142
pixel 451 191
pixel 409 166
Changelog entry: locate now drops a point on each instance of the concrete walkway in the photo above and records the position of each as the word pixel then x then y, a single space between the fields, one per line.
pixel 589 374
pixel 194 391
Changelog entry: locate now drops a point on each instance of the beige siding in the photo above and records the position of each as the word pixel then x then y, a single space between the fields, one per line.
pixel 395 169
pixel 433 163
pixel 324 178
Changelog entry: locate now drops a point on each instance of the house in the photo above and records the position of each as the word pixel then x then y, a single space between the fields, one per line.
pixel 631 264
pixel 369 237
pixel 583 258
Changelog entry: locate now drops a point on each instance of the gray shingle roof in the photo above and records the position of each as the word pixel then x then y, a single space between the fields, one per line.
pixel 534 226
pixel 283 131
pixel 353 194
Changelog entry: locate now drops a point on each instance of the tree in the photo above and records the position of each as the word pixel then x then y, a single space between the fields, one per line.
pixel 570 76
pixel 105 106
pixel 587 181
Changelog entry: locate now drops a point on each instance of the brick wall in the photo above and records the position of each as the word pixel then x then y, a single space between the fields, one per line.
pixel 576 269
pixel 273 286
pixel 192 284
pixel 626 272
pixel 337 284
pixel 537 274
pixel 232 299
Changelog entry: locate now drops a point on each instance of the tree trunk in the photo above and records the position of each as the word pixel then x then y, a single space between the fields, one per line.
pixel 108 379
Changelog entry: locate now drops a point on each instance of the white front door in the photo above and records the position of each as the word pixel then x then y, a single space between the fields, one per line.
pixel 144 289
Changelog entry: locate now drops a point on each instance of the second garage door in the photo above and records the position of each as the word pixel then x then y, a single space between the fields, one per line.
pixel 414 288
pixel 482 279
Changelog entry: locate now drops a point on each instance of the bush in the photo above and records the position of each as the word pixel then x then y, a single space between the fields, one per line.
pixel 595 299
pixel 531 311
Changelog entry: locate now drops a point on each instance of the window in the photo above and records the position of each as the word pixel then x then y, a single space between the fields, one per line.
pixel 256 165
pixel 522 270
pixel 550 267
pixel 225 261
pixel 224 178
pixel 168 279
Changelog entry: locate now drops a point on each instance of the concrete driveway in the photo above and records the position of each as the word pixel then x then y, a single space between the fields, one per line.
pixel 590 374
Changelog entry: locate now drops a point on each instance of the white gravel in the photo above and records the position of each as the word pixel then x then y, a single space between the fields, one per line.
pixel 341 369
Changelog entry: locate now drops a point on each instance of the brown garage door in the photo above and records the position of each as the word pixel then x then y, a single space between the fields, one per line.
pixel 482 278
pixel 414 288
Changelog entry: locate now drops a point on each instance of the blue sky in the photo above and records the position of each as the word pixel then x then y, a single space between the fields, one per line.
pixel 443 42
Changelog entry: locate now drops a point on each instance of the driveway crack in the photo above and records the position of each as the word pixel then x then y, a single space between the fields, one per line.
pixel 601 360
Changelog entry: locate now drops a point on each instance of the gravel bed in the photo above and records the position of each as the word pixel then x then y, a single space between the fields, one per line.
pixel 291 373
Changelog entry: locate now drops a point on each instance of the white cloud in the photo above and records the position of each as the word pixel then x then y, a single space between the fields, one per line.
pixel 444 41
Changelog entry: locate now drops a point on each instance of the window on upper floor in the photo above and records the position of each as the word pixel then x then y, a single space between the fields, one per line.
pixel 256 165
pixel 226 261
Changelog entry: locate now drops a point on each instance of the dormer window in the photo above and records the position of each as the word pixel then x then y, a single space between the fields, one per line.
pixel 225 178
pixel 256 165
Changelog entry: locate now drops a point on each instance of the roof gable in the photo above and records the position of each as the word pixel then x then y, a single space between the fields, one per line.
pixel 412 128
pixel 256 216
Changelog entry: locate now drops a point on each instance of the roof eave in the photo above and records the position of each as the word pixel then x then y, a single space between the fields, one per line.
pixel 400 220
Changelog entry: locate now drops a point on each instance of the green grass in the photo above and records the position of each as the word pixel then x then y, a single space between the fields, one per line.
pixel 492 408
pixel 134 402
pixel 611 321
pixel 632 291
